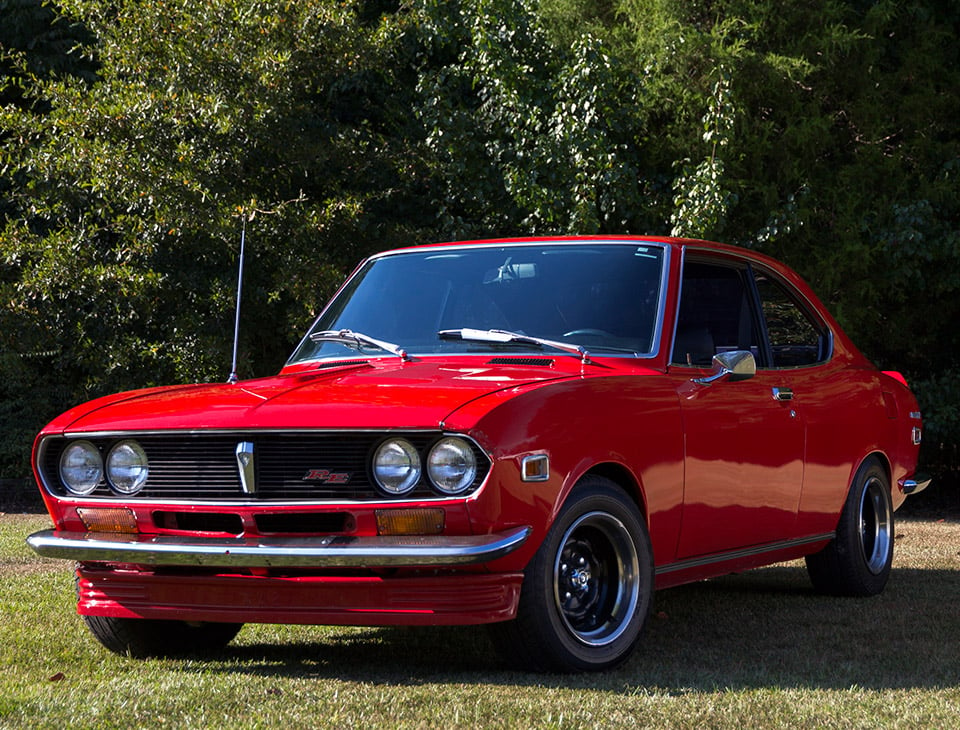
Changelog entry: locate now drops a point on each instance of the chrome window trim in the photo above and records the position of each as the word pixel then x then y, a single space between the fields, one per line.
pixel 676 311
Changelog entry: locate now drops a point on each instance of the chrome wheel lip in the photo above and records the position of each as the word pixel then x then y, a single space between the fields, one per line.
pixel 875 525
pixel 614 578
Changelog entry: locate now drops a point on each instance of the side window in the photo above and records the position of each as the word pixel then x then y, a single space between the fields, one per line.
pixel 715 314
pixel 796 339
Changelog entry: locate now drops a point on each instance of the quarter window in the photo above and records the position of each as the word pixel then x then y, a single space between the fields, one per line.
pixel 796 339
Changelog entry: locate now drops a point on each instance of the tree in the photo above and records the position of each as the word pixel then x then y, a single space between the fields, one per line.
pixel 137 136
pixel 524 135
pixel 840 154
pixel 126 192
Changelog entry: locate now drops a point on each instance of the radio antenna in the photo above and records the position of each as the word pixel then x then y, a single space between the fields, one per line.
pixel 236 323
pixel 243 244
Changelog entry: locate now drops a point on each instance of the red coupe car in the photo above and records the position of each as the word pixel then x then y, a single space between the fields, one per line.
pixel 534 434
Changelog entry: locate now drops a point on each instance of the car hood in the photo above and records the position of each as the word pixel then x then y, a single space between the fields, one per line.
pixel 369 395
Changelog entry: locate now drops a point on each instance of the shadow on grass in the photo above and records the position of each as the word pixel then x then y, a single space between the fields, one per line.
pixel 762 629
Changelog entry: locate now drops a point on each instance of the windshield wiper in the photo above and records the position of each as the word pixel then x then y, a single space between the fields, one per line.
pixel 505 337
pixel 359 340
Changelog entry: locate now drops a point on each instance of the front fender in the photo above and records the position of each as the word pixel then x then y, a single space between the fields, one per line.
pixel 586 425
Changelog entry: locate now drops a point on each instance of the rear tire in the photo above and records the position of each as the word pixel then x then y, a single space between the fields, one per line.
pixel 587 592
pixel 141 638
pixel 858 560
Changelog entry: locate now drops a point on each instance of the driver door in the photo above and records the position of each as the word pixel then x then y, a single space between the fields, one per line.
pixel 744 439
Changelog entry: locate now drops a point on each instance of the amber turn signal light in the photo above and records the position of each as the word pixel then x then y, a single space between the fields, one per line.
pixel 106 519
pixel 414 521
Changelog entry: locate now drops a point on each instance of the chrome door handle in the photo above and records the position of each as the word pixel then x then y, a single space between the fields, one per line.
pixel 782 394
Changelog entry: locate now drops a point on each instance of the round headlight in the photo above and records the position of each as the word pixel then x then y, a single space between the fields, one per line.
pixel 451 465
pixel 396 466
pixel 127 467
pixel 81 467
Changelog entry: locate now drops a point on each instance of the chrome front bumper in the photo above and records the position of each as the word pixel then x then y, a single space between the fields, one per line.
pixel 292 552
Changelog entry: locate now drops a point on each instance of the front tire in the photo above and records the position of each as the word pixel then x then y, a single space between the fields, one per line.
pixel 587 592
pixel 858 560
pixel 141 638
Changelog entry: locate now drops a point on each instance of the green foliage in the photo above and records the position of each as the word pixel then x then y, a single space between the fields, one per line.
pixel 841 154
pixel 526 136
pixel 701 203
pixel 134 137
pixel 34 36
pixel 123 222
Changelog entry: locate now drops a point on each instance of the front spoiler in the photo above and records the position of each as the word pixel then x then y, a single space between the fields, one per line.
pixel 279 552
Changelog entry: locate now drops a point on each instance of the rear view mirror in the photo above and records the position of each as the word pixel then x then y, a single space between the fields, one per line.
pixel 732 366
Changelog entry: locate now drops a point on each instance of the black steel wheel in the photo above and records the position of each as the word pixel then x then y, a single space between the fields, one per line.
pixel 858 560
pixel 587 592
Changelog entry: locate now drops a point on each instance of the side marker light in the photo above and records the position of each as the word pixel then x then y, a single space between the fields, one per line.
pixel 535 468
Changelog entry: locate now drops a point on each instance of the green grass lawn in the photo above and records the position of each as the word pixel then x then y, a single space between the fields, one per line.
pixel 757 650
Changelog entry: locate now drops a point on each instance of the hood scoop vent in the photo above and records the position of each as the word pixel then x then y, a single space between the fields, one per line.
pixel 538 362
pixel 342 364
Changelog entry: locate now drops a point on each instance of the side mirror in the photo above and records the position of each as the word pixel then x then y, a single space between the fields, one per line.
pixel 731 366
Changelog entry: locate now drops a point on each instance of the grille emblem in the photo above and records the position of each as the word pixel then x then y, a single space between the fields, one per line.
pixel 325 476
pixel 247 467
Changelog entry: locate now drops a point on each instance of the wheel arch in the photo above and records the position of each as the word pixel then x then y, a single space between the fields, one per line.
pixel 876 455
pixel 587 593
pixel 897 495
pixel 857 561
pixel 623 478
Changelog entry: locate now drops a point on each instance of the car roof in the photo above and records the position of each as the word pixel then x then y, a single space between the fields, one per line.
pixel 675 243
pixel 603 239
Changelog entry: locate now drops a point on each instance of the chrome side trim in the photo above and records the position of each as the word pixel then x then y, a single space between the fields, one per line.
pixel 294 552
pixel 744 553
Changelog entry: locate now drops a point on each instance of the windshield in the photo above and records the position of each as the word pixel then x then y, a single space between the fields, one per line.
pixel 604 297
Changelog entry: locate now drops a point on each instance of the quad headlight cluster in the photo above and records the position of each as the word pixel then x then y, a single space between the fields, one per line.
pixel 362 466
pixel 450 466
pixel 82 467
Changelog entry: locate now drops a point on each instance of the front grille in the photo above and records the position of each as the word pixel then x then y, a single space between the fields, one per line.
pixel 308 523
pixel 199 522
pixel 298 466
